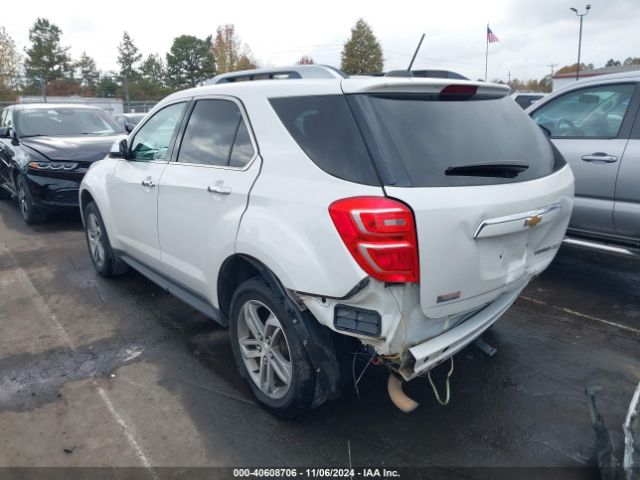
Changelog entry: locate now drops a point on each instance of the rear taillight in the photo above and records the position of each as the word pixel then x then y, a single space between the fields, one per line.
pixel 380 233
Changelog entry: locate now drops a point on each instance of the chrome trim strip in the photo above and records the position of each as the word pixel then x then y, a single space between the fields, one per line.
pixel 517 217
pixel 602 247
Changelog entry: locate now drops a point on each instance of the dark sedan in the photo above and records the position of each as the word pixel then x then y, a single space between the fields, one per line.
pixel 45 150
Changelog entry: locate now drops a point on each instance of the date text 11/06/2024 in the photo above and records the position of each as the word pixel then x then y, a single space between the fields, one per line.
pixel 315 473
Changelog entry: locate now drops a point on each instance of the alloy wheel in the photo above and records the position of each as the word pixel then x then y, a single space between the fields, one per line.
pixel 264 349
pixel 23 201
pixel 96 244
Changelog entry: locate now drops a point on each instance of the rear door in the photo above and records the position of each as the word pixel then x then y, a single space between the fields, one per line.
pixel 204 192
pixel 626 211
pixel 591 126
pixel 490 195
pixel 133 185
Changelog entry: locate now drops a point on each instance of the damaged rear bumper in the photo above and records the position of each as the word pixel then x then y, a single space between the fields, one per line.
pixel 423 357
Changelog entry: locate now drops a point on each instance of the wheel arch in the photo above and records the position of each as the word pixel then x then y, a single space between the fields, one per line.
pixel 323 346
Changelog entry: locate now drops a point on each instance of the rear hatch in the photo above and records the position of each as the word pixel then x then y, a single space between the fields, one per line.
pixel 490 194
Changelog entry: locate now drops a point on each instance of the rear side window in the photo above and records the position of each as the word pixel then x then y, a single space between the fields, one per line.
pixel 325 129
pixel 216 134
pixel 420 141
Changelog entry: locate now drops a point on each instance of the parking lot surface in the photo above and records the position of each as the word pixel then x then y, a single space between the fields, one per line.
pixel 97 372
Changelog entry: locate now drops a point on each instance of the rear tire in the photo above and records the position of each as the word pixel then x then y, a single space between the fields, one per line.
pixel 30 213
pixel 104 259
pixel 268 351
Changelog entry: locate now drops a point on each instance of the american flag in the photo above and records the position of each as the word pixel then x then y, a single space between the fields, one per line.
pixel 491 37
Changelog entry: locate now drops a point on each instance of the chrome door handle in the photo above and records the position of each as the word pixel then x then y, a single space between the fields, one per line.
pixel 219 188
pixel 599 157
pixel 148 183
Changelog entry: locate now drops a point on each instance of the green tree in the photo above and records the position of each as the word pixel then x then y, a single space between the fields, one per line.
pixel 10 66
pixel 107 84
pixel 613 63
pixel 87 71
pixel 128 56
pixel 153 73
pixel 190 61
pixel 46 58
pixel 631 61
pixel 305 60
pixel 362 52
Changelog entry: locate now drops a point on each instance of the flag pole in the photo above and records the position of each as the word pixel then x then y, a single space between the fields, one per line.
pixel 486 56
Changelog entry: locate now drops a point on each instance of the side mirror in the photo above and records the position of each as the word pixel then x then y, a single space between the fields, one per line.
pixel 129 127
pixel 119 149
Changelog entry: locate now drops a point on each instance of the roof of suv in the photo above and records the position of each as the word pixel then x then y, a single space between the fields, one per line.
pixel 601 79
pixel 322 80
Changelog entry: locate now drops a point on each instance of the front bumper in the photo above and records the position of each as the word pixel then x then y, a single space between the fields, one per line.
pixel 54 190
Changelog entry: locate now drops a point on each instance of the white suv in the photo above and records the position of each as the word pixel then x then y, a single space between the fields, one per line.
pixel 316 214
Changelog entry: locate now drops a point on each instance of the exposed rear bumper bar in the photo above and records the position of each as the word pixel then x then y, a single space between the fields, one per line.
pixel 602 247
pixel 430 353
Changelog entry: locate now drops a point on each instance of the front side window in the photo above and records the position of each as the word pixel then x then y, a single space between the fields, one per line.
pixel 595 112
pixel 216 134
pixel 153 139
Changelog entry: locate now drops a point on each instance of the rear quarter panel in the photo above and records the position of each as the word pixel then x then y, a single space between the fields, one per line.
pixel 287 224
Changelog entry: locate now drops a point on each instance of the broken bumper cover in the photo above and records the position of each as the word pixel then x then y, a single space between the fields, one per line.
pixel 423 357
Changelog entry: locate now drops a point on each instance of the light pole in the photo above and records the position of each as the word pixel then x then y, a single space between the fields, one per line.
pixel 580 37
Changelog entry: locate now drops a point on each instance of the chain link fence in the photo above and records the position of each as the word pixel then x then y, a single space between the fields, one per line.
pixel 135 106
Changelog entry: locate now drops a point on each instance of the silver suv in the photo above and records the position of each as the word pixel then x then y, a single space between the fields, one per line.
pixel 594 124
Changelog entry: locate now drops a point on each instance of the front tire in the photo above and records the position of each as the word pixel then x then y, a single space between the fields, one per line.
pixel 104 259
pixel 268 351
pixel 30 213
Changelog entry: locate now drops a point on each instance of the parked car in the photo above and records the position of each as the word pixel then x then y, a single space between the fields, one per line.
pixel 526 99
pixel 315 215
pixel 45 151
pixel 595 124
pixel 128 121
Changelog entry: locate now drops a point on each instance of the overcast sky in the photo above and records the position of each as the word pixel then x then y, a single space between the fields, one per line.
pixel 533 33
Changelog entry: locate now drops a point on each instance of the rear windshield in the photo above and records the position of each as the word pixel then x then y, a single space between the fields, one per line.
pixel 420 141
pixel 417 141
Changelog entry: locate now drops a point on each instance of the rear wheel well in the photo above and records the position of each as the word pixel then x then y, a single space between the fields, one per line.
pixel 235 271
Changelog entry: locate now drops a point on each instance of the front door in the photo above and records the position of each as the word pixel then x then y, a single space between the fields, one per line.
pixel 134 185
pixel 590 127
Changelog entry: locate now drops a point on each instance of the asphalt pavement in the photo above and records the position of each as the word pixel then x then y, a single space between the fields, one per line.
pixel 116 372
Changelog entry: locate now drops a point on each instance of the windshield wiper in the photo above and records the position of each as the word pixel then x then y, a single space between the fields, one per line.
pixel 490 169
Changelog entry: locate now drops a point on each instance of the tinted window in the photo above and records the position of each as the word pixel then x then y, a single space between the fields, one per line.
pixel 216 135
pixel 595 112
pixel 325 129
pixel 416 139
pixel 65 122
pixel 153 139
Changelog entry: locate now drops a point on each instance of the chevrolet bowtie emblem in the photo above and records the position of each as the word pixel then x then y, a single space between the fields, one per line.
pixel 532 221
